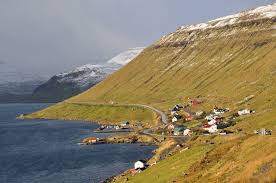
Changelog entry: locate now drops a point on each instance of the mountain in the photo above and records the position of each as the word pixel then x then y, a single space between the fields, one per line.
pixel 67 84
pixel 228 62
pixel 18 92
pixel 198 60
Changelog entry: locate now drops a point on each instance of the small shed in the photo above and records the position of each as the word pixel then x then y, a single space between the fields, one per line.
pixel 140 164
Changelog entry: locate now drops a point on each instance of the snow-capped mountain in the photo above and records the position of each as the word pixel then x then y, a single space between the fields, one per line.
pixel 67 84
pixel 126 56
pixel 261 12
pixel 86 75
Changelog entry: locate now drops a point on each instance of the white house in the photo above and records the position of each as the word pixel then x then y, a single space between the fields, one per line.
pixel 220 111
pixel 139 165
pixel 210 117
pixel 244 112
pixel 213 129
pixel 187 132
pixel 199 113
pixel 176 118
pixel 212 122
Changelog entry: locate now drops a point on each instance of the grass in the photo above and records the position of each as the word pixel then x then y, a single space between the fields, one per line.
pixel 171 167
pixel 226 159
pixel 96 113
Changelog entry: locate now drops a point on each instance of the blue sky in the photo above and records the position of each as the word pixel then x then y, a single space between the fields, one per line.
pixel 50 36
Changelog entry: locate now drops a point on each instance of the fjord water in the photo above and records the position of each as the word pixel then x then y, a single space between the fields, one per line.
pixel 43 151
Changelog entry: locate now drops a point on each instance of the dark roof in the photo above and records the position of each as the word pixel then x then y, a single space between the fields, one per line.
pixel 143 161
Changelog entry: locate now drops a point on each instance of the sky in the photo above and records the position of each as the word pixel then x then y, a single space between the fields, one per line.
pixel 45 37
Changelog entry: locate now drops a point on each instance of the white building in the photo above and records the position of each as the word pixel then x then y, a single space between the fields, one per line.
pixel 213 129
pixel 139 165
pixel 174 119
pixel 187 132
pixel 212 122
pixel 244 112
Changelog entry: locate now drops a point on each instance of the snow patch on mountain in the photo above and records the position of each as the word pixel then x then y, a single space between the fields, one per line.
pixel 86 75
pixel 126 56
pixel 262 12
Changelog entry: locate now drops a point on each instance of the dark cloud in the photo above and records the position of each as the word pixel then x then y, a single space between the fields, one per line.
pixel 52 36
pixel 2 62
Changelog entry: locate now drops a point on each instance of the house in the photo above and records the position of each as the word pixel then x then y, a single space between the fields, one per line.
pixel 124 123
pixel 263 131
pixel 189 118
pixel 213 129
pixel 176 118
pixel 220 110
pixel 187 132
pixel 140 165
pixel 209 117
pixel 244 112
pixel 171 126
pixel 212 116
pixel 194 102
pixel 212 122
pixel 178 130
pixel 90 140
pixel 174 113
pixel 210 128
pixel 199 113
pixel 178 107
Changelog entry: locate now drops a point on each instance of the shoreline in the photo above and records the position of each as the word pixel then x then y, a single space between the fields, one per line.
pixel 118 138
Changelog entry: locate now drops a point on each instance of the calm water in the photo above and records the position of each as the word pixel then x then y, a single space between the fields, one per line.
pixel 47 151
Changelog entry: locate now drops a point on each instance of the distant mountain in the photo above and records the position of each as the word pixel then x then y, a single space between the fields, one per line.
pixel 67 84
pixel 18 92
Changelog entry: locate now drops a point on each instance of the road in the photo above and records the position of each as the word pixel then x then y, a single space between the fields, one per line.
pixel 164 118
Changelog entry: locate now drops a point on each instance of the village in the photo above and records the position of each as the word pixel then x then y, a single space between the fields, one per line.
pixel 123 127
pixel 183 123
pixel 210 122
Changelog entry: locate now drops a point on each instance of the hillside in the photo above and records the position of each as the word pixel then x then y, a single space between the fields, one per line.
pixel 223 62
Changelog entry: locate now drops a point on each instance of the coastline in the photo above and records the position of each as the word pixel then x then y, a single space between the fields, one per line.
pixel 164 147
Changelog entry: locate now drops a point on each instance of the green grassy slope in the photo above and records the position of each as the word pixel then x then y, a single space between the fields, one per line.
pixel 224 65
pixel 96 113
pixel 230 62
pixel 226 159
